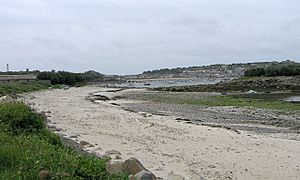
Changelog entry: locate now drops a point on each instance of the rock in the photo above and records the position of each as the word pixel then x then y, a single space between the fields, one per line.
pixel 172 176
pixel 44 174
pixel 118 157
pixel 113 152
pixel 151 125
pixel 201 178
pixel 83 143
pixel 98 149
pixel 6 99
pixel 99 97
pixel 131 177
pixel 73 136
pixel 66 87
pixel 90 145
pixel 133 166
pixel 115 104
pixel 182 119
pixel 251 92
pixel 114 166
pixel 58 129
pixel 145 175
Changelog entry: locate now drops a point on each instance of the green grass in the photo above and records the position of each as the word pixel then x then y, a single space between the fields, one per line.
pixel 23 156
pixel 21 87
pixel 27 147
pixel 224 101
pixel 17 118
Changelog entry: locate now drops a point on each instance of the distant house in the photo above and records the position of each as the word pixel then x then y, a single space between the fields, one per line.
pixel 12 78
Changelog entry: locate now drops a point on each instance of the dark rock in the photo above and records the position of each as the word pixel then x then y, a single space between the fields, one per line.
pixel 133 166
pixel 144 175
pixel 182 119
pixel 73 136
pixel 151 125
pixel 101 98
pixel 83 143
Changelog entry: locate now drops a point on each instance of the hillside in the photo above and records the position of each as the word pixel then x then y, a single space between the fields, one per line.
pixel 222 71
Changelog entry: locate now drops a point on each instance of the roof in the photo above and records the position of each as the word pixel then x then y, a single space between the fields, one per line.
pixel 17 77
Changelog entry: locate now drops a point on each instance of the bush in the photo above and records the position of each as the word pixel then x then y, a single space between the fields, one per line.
pixel 275 70
pixel 16 117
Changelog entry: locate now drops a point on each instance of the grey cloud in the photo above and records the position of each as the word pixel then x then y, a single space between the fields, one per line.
pixel 129 36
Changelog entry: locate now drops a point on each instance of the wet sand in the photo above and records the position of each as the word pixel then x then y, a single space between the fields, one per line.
pixel 163 144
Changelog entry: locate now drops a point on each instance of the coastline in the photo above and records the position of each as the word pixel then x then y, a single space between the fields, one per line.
pixel 163 144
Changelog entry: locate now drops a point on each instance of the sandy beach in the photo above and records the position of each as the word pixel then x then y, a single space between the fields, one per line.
pixel 163 144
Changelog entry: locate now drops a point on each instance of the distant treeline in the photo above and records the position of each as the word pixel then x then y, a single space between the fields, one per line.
pixel 275 70
pixel 69 78
pixel 165 71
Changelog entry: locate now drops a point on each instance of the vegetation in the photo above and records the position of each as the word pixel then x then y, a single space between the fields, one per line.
pixel 275 70
pixel 230 100
pixel 27 147
pixel 165 71
pixel 258 66
pixel 69 78
pixel 20 87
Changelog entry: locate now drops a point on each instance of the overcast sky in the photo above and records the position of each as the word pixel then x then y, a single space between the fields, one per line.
pixel 130 36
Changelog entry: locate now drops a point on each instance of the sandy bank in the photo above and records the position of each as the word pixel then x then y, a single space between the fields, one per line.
pixel 165 145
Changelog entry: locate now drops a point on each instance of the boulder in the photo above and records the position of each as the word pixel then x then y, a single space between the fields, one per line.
pixel 114 166
pixel 133 166
pixel 144 175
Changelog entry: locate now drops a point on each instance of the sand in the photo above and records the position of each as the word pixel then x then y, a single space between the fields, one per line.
pixel 164 145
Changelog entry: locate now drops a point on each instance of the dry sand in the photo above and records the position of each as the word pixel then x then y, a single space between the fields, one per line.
pixel 163 144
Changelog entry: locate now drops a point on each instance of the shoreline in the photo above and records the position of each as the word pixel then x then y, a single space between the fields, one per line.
pixel 164 145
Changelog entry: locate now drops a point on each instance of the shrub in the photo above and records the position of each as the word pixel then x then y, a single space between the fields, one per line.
pixel 16 117
pixel 275 70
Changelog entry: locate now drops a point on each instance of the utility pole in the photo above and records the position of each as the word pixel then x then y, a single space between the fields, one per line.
pixel 7 67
